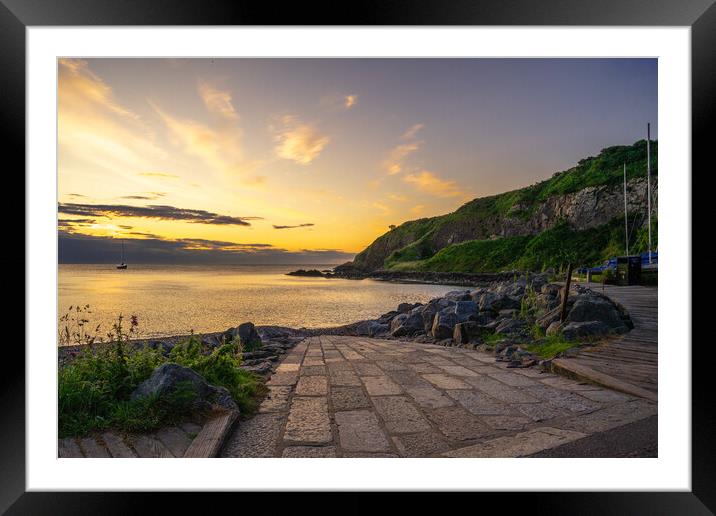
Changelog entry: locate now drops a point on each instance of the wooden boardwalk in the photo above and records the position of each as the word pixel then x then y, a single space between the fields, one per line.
pixel 629 362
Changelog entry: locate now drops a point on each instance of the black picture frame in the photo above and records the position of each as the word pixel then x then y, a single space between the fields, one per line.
pixel 17 15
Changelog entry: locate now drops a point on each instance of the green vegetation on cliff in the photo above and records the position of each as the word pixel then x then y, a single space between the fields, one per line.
pixel 464 240
pixel 551 248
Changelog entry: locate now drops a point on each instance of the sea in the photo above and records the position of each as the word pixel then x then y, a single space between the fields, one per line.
pixel 180 299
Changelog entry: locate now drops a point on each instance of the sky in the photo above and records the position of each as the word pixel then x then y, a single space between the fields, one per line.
pixel 309 160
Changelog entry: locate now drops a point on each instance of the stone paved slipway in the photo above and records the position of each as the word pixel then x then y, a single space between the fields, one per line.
pixel 336 396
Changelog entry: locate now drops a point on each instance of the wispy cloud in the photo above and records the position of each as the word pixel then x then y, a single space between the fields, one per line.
pixel 410 133
pixel 394 162
pixel 432 184
pixel 162 175
pixel 148 196
pixel 298 141
pixel 306 225
pixel 218 102
pixel 350 100
pixel 153 212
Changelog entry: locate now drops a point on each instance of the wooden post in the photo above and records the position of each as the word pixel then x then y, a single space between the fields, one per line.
pixel 565 294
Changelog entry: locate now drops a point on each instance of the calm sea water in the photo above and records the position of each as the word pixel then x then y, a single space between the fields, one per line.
pixel 173 300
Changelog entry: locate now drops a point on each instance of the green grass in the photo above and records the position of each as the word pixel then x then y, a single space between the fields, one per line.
pixel 550 346
pixel 94 388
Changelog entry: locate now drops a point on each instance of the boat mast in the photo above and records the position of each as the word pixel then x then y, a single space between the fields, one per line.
pixel 648 181
pixel 122 251
pixel 626 219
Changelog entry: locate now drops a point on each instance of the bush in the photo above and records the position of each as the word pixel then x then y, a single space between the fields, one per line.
pixel 94 389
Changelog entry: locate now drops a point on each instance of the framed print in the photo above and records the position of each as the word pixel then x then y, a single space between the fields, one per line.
pixel 415 250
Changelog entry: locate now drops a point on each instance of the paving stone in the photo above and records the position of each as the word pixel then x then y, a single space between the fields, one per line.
pixel 255 437
pixel 400 415
pixel 428 396
pixel 381 386
pixel 92 448
pixel 513 379
pixel 392 366
pixel 309 451
pixel 425 367
pixel 68 448
pixel 421 444
pixel 348 398
pixel 533 372
pixel 563 399
pixel 479 403
pixel 277 399
pixel 612 417
pixel 175 439
pixel 312 386
pixel 342 365
pixel 408 378
pixel 308 421
pixel 288 367
pixel 540 411
pixel 559 382
pixel 606 396
pixel 345 377
pixel 500 391
pixel 349 354
pixel 367 369
pixel 308 361
pixel 506 422
pixel 457 370
pixel 359 430
pixel 117 447
pixel 445 381
pixel 519 445
pixel 283 379
pixel 368 455
pixel 458 424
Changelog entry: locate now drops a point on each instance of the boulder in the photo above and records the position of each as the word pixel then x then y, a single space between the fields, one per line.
pixel 169 378
pixel 553 328
pixel 509 326
pixel 458 295
pixel 444 325
pixel 406 307
pixel 378 329
pixel 465 310
pixel 576 330
pixel 387 317
pixel 404 325
pixel 508 313
pixel 363 327
pixel 465 332
pixel 597 308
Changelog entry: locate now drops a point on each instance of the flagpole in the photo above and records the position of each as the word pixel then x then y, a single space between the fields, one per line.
pixel 648 181
pixel 626 218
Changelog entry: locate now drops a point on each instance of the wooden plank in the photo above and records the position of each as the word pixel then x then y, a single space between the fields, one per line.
pixel 212 436
pixel 117 447
pixel 150 447
pixel 92 448
pixel 586 373
pixel 68 448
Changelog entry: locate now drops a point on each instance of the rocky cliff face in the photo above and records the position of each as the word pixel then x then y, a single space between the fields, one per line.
pixel 583 209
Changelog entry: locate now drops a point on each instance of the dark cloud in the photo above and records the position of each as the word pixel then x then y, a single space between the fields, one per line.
pixel 78 248
pixel 153 212
pixel 296 226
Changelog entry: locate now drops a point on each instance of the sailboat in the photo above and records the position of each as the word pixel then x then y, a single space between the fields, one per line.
pixel 122 265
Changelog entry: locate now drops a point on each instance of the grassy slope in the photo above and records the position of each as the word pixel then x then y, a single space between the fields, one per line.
pixel 412 241
pixel 548 249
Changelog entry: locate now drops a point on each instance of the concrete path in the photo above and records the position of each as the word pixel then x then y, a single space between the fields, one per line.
pixel 335 396
pixel 628 363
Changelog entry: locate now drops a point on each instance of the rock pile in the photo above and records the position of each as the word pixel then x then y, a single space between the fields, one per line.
pixel 505 315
